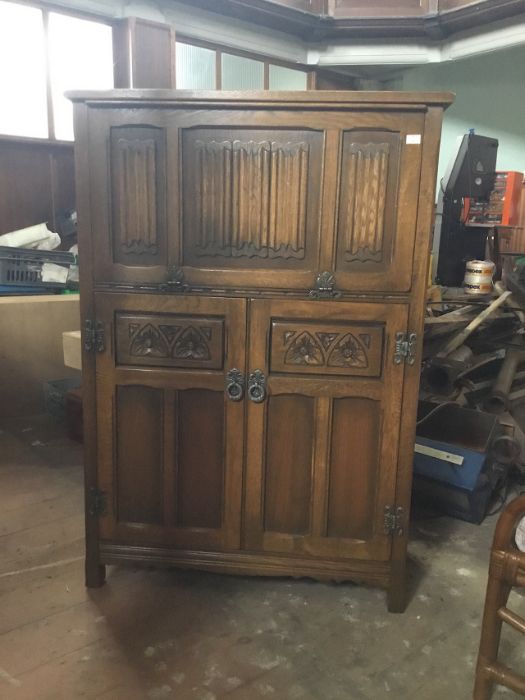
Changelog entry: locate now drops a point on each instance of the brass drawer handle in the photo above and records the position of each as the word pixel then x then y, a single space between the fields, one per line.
pixel 235 385
pixel 257 386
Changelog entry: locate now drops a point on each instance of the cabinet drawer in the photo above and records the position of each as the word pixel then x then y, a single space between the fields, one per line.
pixel 338 347
pixel 169 340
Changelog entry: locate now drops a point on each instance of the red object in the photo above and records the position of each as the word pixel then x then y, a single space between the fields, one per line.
pixel 503 206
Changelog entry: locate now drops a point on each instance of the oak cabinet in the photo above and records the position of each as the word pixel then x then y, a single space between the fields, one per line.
pixel 252 285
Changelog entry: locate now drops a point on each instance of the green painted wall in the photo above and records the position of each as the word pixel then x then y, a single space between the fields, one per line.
pixel 490 97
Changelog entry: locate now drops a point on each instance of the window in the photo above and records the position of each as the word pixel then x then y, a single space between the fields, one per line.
pixel 80 58
pixel 281 78
pixel 206 67
pixel 22 71
pixel 195 67
pixel 39 48
pixel 240 73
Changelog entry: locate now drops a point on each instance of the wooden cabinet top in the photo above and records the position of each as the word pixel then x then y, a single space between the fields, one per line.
pixel 335 99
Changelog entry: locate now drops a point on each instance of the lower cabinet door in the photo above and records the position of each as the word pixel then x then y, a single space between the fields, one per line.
pixel 323 418
pixel 170 440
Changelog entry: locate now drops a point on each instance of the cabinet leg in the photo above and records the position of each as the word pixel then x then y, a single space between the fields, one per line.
pixel 95 574
pixel 396 596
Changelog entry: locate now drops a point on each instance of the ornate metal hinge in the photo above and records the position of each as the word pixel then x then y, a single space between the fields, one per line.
pixel 405 348
pixel 324 287
pixel 175 282
pixel 96 502
pixel 94 336
pixel 394 520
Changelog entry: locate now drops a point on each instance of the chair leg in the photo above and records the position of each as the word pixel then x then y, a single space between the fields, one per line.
pixel 497 596
pixel 483 686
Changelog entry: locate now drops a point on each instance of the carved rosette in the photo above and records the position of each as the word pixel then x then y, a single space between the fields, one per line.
pixel 330 349
pixel 178 342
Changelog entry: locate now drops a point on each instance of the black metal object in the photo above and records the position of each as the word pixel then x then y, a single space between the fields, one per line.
pixel 324 286
pixel 498 401
pixel 94 336
pixel 394 520
pixel 257 386
pixel 440 373
pixel 464 491
pixel 235 384
pixel 96 502
pixel 20 267
pixel 405 348
pixel 471 175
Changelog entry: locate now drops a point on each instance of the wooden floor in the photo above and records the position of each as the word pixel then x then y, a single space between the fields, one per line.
pixel 192 636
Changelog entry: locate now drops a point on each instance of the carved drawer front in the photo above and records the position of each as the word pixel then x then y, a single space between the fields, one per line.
pixel 339 348
pixel 251 197
pixel 166 340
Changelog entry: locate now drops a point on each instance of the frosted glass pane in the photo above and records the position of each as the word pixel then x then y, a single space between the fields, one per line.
pixel 195 67
pixel 23 111
pixel 81 58
pixel 239 73
pixel 286 78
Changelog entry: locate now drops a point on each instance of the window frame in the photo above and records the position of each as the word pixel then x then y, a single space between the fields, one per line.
pixel 46 8
pixel 267 60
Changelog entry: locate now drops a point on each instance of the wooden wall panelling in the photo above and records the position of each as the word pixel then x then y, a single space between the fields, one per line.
pixel 330 80
pixel 378 8
pixel 447 5
pixel 360 19
pixel 36 181
pixel 144 54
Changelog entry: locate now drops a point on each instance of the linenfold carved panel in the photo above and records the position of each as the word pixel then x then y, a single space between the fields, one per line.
pixel 165 340
pixel 331 348
pixel 369 183
pixel 138 194
pixel 248 194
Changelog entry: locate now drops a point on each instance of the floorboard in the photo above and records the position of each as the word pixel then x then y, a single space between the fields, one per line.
pixel 149 635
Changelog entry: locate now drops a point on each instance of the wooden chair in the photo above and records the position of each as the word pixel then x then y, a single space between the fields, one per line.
pixel 507 569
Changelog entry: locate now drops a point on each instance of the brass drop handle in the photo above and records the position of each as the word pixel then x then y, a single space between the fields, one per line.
pixel 235 385
pixel 257 386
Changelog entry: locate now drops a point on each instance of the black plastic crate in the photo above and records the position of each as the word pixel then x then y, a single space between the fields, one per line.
pixel 55 395
pixel 20 267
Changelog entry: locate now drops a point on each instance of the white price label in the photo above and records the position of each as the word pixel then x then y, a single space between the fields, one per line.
pixel 414 138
